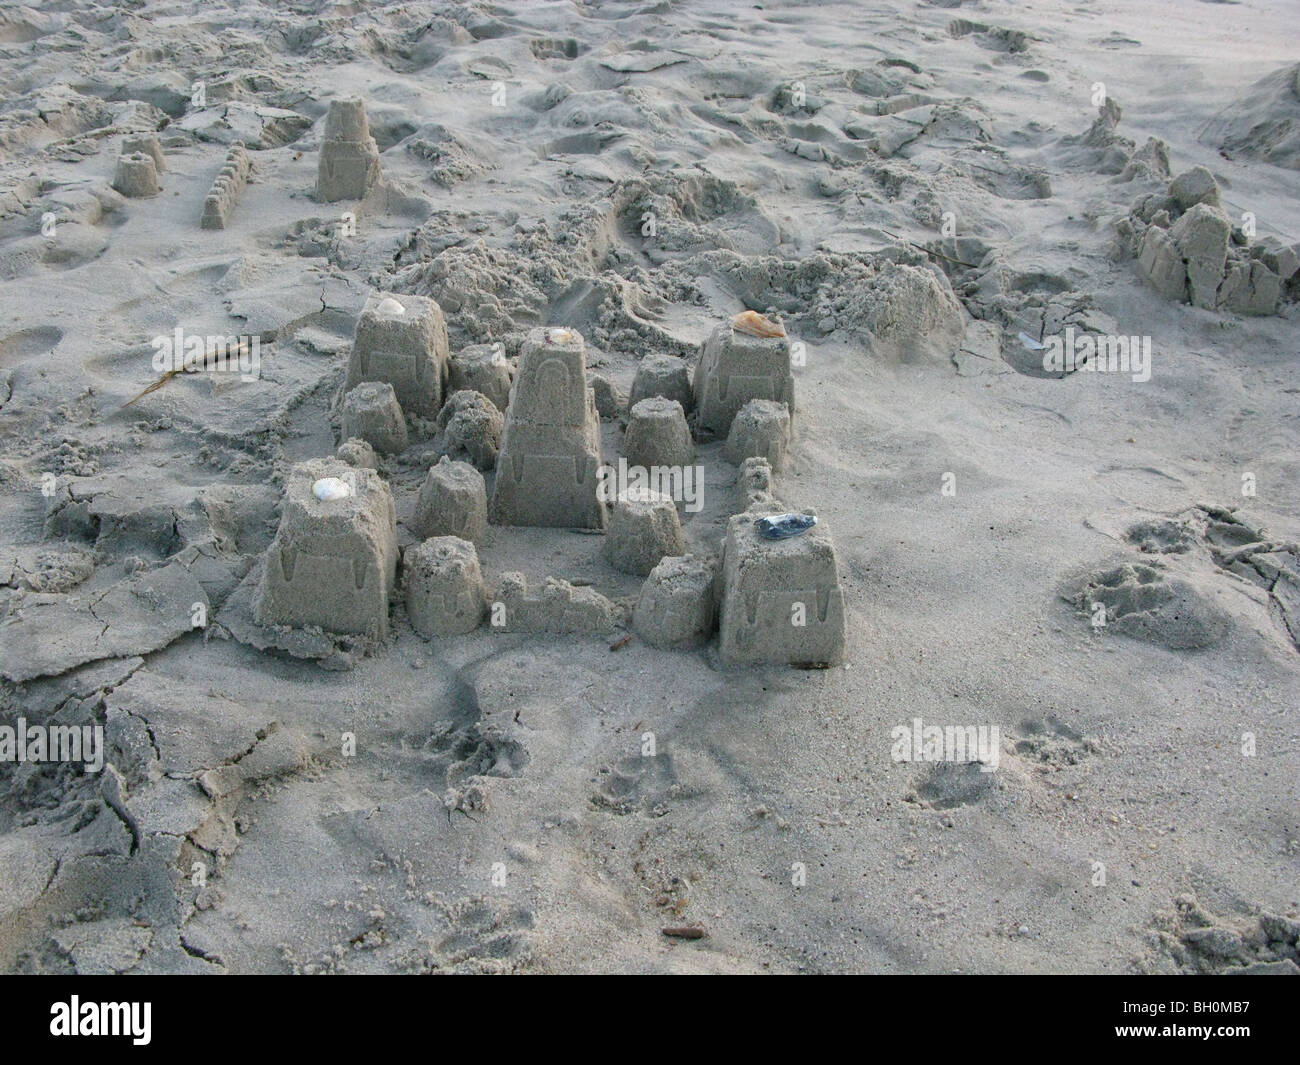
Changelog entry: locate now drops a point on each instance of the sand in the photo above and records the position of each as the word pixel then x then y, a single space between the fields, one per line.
pixel 1099 570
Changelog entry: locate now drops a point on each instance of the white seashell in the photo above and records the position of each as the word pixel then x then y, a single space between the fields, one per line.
pixel 328 489
pixel 560 336
pixel 388 305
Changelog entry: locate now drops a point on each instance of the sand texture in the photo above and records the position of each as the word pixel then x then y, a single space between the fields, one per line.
pixel 1023 336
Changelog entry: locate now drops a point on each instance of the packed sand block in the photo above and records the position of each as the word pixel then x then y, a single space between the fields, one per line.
pixel 645 529
pixel 334 556
pixel 452 502
pixel 736 366
pixel 136 176
pixel 550 457
pixel 754 484
pixel 371 413
pixel 761 429
pixel 443 586
pixel 782 603
pixel 349 157
pixel 557 608
pixel 609 401
pixel 663 375
pixel 226 187
pixel 402 339
pixel 1194 186
pixel 472 425
pixel 676 607
pixel 357 453
pixel 145 144
pixel 1188 250
pixel 482 368
pixel 657 434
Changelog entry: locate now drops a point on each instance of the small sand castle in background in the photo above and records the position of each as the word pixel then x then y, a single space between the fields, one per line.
pixel 332 564
pixel 349 157
pixel 136 175
pixel 226 187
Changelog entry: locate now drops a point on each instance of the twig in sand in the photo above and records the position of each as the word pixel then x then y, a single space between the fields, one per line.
pixel 928 251
pixel 213 356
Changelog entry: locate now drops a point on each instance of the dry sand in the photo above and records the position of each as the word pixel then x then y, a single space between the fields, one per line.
pixel 498 813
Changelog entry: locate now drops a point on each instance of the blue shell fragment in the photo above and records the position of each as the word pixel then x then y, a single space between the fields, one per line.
pixel 784 526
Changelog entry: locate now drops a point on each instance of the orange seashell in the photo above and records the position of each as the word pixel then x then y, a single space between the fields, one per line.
pixel 756 325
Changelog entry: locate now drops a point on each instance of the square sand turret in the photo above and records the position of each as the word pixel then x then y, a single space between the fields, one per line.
pixel 736 367
pixel 550 447
pixel 781 599
pixel 402 340
pixel 349 157
pixel 334 556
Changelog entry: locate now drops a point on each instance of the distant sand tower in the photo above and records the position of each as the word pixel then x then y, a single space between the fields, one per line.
pixel 550 447
pixel 349 157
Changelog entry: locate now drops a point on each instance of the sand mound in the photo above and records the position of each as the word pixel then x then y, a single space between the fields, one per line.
pixel 1263 123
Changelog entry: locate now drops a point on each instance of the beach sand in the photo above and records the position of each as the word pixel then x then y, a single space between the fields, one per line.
pixel 914 189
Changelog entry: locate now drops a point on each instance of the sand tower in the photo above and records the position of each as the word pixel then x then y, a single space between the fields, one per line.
pixel 349 157
pixel 550 447
pixel 781 599
pixel 737 365
pixel 402 340
pixel 334 556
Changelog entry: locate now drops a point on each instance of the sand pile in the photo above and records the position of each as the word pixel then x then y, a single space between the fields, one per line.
pixel 1262 123
pixel 1189 250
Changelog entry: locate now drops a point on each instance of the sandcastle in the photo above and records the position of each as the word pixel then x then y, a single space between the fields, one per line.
pixel 550 447
pixel 482 368
pixel 371 413
pixel 349 157
pixel 676 607
pixel 1189 250
pixel 146 144
pixel 657 434
pixel 760 429
pixel 743 359
pixel 645 529
pixel 781 599
pixel 444 588
pixel 136 176
pixel 471 425
pixel 663 375
pixel 558 608
pixel 226 187
pixel 402 340
pixel 754 484
pixel 452 502
pixel 333 561
pixel 334 555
